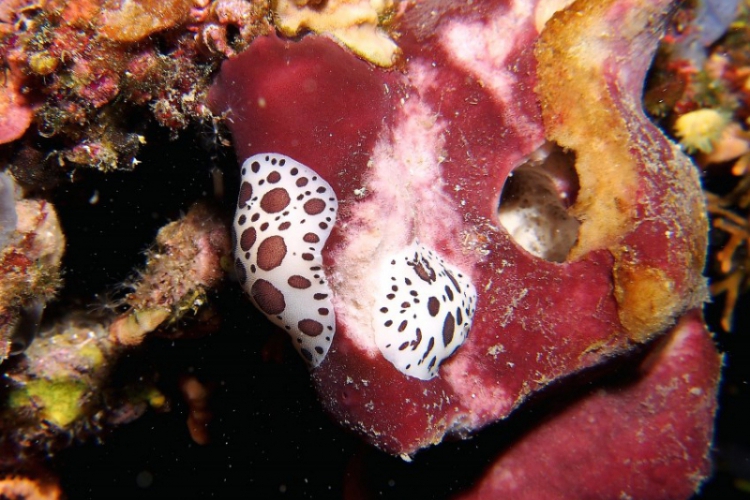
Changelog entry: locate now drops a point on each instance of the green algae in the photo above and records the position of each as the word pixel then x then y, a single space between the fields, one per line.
pixel 59 400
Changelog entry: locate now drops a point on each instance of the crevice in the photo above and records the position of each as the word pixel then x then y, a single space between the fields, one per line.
pixel 534 204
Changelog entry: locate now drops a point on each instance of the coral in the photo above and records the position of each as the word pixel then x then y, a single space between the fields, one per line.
pixel 59 389
pixel 56 387
pixel 733 145
pixel 134 21
pixel 357 24
pixel 58 392
pixel 699 129
pixel 217 18
pixel 29 269
pixel 186 263
pixel 199 416
pixel 732 259
pixel 93 71
pixel 418 161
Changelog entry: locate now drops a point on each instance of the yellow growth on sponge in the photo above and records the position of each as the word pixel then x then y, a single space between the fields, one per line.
pixel 353 23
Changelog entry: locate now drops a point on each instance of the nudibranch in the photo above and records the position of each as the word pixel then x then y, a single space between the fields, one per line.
pixel 285 213
pixel 422 306
pixel 417 305
pixel 489 217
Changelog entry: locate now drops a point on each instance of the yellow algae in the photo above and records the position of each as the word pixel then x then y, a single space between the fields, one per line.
pixel 43 64
pixel 699 129
pixel 353 23
pixel 59 400
pixel 155 398
pixel 644 294
pixel 91 352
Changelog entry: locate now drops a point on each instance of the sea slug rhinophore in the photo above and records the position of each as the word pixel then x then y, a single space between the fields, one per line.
pixel 445 316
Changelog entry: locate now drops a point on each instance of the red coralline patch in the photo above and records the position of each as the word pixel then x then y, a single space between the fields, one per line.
pixel 291 85
pixel 102 86
pixel 419 158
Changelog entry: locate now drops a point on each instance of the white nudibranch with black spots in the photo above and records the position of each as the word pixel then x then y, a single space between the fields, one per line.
pixel 425 307
pixel 285 213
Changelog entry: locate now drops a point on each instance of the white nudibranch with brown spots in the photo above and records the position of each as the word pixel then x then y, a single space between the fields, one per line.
pixel 422 305
pixel 426 312
pixel 284 216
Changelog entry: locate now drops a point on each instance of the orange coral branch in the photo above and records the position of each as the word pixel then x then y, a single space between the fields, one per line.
pixel 731 286
pixel 738 229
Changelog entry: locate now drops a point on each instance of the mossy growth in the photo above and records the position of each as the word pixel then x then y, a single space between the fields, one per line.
pixel 92 354
pixel 59 401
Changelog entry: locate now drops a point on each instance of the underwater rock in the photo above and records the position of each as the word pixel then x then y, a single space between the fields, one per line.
pixel 185 264
pixel 30 260
pixel 645 438
pixel 60 378
pixel 61 389
pixel 59 392
pixel 87 76
pixel 445 323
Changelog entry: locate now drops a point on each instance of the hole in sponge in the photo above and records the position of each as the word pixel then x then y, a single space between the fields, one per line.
pixel 534 204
